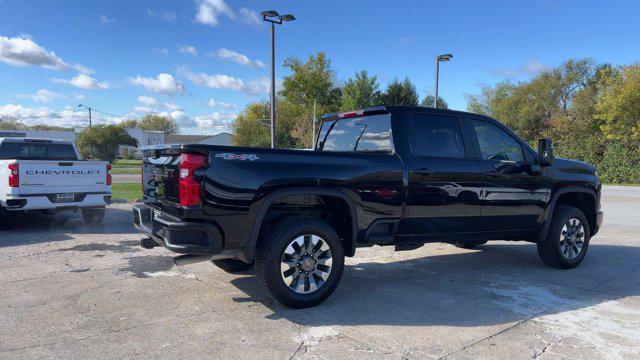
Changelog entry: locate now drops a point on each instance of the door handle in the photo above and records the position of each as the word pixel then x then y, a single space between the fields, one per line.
pixel 423 171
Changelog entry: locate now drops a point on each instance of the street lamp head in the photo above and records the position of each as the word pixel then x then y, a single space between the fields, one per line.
pixel 445 57
pixel 287 17
pixel 270 13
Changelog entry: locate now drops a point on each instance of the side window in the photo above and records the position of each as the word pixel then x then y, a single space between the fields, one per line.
pixel 437 136
pixel 495 144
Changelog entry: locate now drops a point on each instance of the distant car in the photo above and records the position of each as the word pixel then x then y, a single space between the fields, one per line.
pixel 46 175
pixel 401 176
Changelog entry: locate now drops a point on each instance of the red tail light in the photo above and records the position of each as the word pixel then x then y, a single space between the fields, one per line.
pixel 108 174
pixel 189 187
pixel 14 175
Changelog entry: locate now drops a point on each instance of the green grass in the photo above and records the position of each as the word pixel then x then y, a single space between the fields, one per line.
pixel 126 163
pixel 622 184
pixel 131 191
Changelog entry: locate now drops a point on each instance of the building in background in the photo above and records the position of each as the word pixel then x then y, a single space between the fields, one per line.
pixel 144 138
pixel 217 139
pixel 41 134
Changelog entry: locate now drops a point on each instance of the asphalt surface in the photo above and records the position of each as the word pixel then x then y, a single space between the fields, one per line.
pixel 71 291
pixel 125 178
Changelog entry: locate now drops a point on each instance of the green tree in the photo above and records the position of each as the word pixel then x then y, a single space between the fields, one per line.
pixel 252 126
pixel 43 127
pixel 428 102
pixel 155 122
pixel 311 80
pixel 103 141
pixel 129 124
pixel 619 106
pixel 360 92
pixel 400 93
pixel 11 123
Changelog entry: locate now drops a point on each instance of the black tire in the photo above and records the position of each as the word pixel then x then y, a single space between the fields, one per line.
pixel 7 219
pixel 270 252
pixel 550 250
pixel 233 265
pixel 93 215
pixel 469 244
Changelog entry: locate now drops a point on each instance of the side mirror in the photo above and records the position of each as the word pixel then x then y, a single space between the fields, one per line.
pixel 545 152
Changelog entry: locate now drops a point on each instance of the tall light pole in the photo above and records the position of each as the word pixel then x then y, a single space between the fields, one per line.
pixel 274 18
pixel 443 57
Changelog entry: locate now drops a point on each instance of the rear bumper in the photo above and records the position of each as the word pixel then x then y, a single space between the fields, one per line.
pixel 176 235
pixel 44 202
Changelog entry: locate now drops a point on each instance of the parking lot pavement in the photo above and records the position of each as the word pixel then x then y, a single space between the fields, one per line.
pixel 68 290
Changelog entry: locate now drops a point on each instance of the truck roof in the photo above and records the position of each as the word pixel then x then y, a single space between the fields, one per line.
pixel 34 140
pixel 390 109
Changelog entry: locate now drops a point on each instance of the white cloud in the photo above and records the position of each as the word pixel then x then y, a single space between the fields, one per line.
pixel 143 109
pixel 208 11
pixel 172 106
pixel 69 116
pixel 215 119
pixel 237 57
pixel 220 81
pixel 161 84
pixel 45 96
pixel 23 51
pixel 532 67
pixel 104 19
pixel 224 105
pixel 148 100
pixel 165 15
pixel 84 81
pixel 188 49
pixel 251 17
pixel 160 51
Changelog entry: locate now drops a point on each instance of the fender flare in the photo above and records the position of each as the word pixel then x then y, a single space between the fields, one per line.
pixel 544 230
pixel 248 250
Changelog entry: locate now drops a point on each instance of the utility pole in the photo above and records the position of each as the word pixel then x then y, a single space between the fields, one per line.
pixel 90 145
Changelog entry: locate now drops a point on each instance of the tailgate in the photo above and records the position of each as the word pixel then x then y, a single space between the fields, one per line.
pixel 50 176
pixel 160 177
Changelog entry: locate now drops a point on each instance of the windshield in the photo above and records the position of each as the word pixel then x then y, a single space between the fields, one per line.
pixel 368 133
pixel 36 151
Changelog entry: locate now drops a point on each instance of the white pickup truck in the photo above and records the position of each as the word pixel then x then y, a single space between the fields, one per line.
pixel 46 175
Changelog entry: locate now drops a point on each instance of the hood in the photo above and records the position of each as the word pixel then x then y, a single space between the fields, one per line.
pixel 574 166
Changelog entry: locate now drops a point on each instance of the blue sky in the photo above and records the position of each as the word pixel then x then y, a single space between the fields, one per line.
pixel 201 61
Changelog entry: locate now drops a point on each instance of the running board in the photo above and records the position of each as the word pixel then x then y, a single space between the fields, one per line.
pixel 408 246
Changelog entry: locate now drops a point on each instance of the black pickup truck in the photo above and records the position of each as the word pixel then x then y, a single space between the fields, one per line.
pixel 401 176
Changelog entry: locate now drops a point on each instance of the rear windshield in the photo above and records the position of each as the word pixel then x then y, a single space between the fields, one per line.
pixel 367 133
pixel 36 151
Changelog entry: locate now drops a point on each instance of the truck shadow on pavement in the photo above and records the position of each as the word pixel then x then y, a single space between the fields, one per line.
pixel 494 285
pixel 37 227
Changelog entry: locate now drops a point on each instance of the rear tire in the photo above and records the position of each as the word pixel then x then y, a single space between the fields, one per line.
pixel 7 219
pixel 233 265
pixel 568 239
pixel 300 261
pixel 93 215
pixel 469 244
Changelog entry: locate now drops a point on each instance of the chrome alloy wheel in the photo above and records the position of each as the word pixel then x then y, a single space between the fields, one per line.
pixel 306 264
pixel 572 239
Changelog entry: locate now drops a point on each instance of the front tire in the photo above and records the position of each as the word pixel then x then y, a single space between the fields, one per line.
pixel 300 262
pixel 93 215
pixel 233 266
pixel 568 239
pixel 7 219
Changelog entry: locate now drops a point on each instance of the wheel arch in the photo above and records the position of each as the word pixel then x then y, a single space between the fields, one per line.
pixel 582 198
pixel 248 251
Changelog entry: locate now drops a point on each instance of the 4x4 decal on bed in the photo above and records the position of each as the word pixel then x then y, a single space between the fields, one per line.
pixel 230 156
